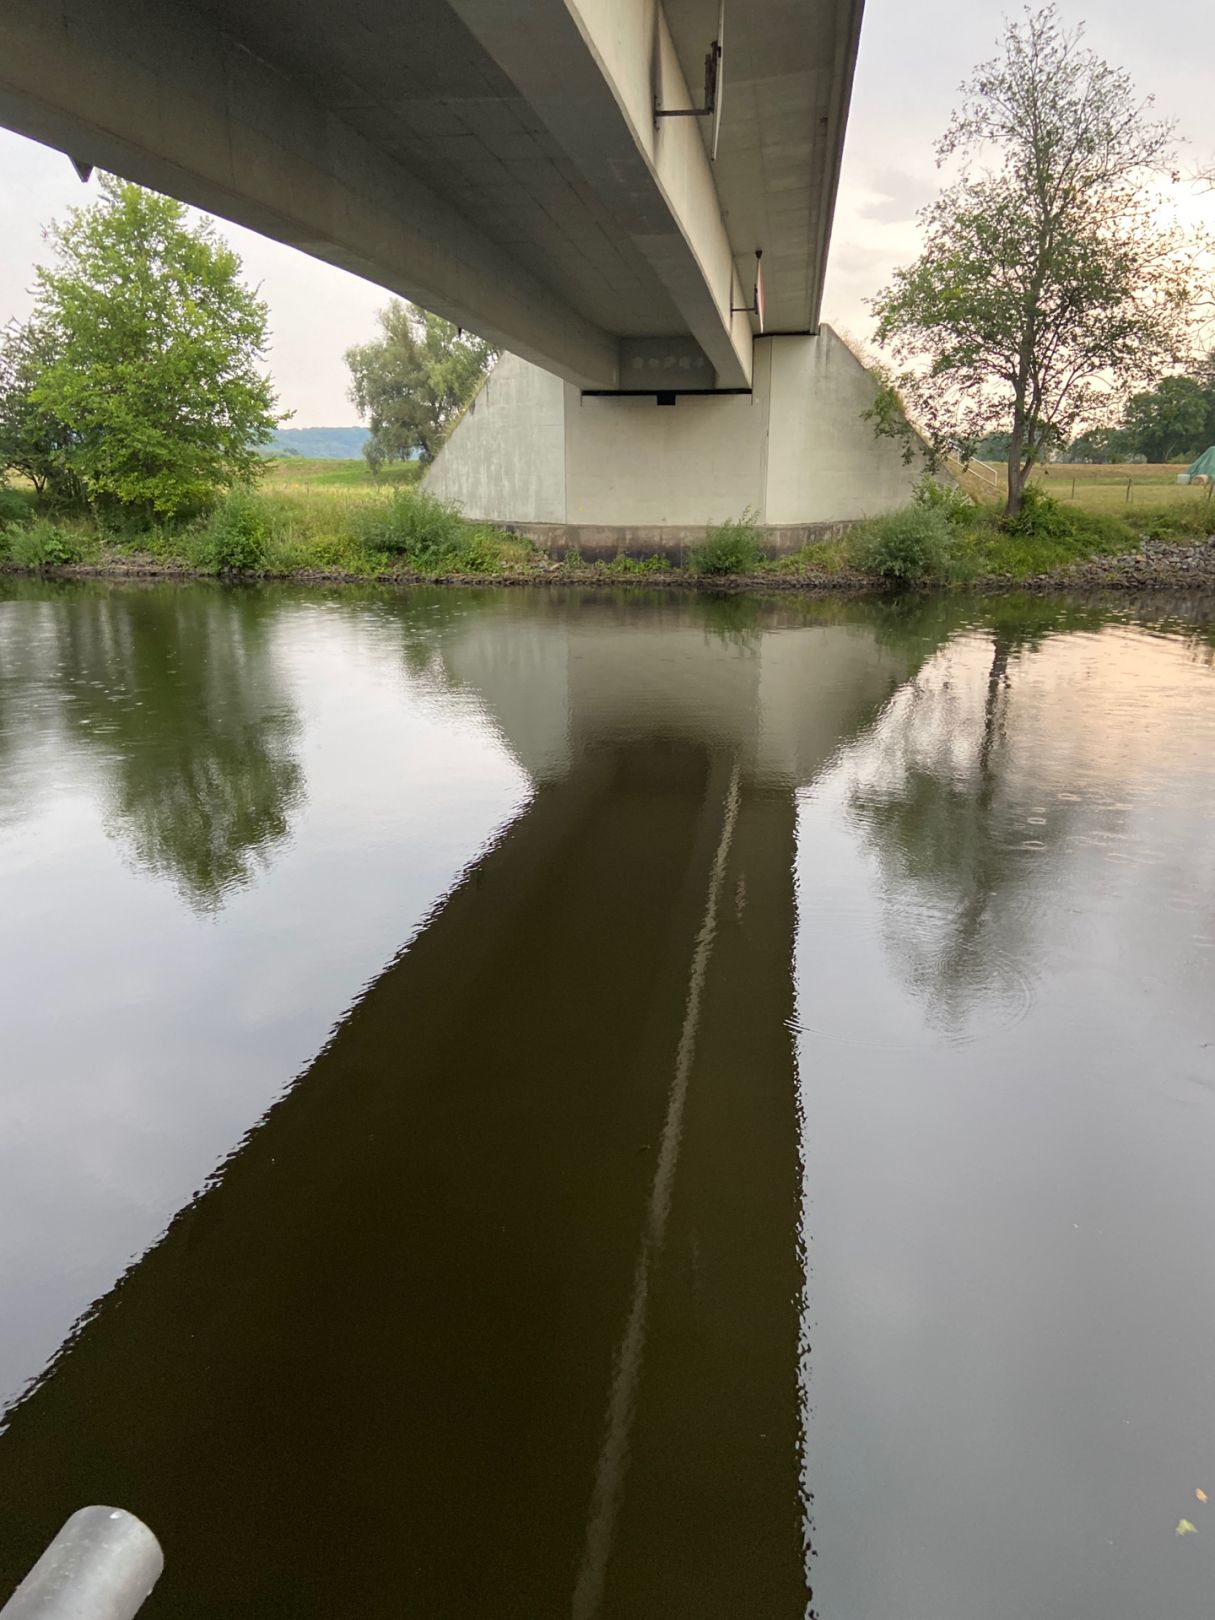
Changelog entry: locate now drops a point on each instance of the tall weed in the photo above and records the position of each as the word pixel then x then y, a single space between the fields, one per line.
pixel 427 534
pixel 733 547
pixel 236 539
pixel 44 544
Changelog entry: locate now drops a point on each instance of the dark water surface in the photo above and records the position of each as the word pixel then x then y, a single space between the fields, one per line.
pixel 568 1105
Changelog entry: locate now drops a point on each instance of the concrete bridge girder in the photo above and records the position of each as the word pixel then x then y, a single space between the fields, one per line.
pixel 158 92
pixel 528 196
pixel 593 70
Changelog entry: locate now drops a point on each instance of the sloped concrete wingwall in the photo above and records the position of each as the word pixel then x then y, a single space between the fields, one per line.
pixel 824 463
pixel 612 470
pixel 505 461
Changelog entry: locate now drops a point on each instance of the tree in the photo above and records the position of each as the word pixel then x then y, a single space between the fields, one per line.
pixel 1097 445
pixel 413 382
pixel 1206 381
pixel 153 348
pixel 992 447
pixel 33 441
pixel 1048 287
pixel 1167 420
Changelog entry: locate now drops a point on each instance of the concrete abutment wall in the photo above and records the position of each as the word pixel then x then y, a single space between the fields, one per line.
pixel 613 472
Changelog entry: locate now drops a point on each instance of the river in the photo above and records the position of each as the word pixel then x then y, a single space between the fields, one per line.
pixel 553 1103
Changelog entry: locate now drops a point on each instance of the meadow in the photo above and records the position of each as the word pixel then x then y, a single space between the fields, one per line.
pixel 355 476
pixel 1121 489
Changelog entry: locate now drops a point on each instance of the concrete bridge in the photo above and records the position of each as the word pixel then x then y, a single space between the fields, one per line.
pixel 517 169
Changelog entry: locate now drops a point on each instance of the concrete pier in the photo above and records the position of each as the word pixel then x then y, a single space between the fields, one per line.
pixel 609 472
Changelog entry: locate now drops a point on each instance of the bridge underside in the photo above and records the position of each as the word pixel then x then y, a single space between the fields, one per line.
pixel 505 166
pixel 609 472
pixel 500 165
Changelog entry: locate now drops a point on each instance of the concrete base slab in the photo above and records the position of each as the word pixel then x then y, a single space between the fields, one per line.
pixel 606 473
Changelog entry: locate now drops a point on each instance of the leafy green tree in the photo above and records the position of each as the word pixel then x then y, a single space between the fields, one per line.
pixel 154 348
pixel 413 382
pixel 1048 287
pixel 1167 420
pixel 992 447
pixel 33 441
pixel 1097 446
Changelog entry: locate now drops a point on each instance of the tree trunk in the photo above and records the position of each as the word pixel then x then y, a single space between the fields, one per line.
pixel 1016 477
pixel 1018 464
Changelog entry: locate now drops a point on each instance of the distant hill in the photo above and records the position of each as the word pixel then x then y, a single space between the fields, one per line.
pixel 323 443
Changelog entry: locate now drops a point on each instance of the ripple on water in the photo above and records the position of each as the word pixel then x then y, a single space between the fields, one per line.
pixel 939 997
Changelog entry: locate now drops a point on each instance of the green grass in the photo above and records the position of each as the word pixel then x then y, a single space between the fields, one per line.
pixel 16 506
pixel 989 551
pixel 819 557
pixel 312 518
pixel 1104 489
pixel 306 472
pixel 288 530
pixel 940 540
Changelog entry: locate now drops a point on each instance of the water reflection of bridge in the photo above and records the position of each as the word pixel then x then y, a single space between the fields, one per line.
pixel 432 1342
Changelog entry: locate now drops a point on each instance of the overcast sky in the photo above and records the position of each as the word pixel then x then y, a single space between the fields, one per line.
pixel 913 55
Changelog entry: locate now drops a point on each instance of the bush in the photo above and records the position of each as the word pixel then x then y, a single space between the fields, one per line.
pixel 44 545
pixel 428 535
pixel 953 503
pixel 14 506
pixel 622 563
pixel 733 547
pixel 1046 534
pixel 478 551
pixel 1100 532
pixel 237 538
pixel 411 524
pixel 913 546
pixel 1041 517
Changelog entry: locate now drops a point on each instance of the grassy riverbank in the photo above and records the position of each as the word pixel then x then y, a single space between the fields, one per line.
pixel 330 520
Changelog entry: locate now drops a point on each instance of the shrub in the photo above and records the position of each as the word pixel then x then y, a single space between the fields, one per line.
pixel 954 504
pixel 237 538
pixel 733 547
pixel 912 546
pixel 411 524
pixel 14 506
pixel 44 545
pixel 476 551
pixel 622 563
pixel 429 535
pixel 1041 517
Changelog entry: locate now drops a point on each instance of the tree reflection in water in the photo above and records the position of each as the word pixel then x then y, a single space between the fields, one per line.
pixel 176 695
pixel 949 812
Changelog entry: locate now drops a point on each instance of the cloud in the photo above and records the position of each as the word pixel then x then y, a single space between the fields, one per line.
pixel 897 196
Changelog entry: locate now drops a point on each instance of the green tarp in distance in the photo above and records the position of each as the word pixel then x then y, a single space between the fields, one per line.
pixel 1204 464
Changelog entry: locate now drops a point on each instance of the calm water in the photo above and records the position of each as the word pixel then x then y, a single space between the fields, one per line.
pixel 541 1105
